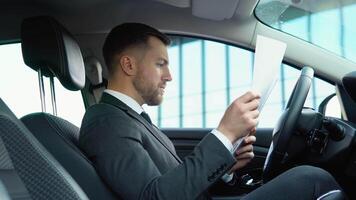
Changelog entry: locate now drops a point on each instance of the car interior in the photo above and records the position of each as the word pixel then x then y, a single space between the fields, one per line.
pixel 61 44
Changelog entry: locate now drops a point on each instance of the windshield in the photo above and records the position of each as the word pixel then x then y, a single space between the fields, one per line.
pixel 326 23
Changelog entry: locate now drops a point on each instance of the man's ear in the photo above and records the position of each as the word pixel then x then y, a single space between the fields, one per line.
pixel 128 65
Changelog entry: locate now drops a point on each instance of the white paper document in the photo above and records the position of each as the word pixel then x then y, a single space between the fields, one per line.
pixel 268 58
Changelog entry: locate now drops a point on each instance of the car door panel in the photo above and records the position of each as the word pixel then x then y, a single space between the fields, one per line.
pixel 185 139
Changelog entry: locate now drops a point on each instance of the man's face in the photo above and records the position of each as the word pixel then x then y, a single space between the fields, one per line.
pixel 153 73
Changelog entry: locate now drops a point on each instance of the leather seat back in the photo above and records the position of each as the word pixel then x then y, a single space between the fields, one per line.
pixel 42 175
pixel 59 55
pixel 60 139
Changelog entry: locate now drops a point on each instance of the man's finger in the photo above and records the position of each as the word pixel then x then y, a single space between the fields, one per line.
pixel 254 114
pixel 246 155
pixel 253 105
pixel 250 139
pixel 243 149
pixel 249 96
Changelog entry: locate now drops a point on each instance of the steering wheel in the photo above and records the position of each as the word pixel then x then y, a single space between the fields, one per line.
pixel 286 126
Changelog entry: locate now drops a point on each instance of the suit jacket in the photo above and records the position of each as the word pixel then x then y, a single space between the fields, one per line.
pixel 139 162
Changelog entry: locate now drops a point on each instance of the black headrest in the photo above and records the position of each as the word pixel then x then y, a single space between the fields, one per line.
pixel 48 45
pixel 349 83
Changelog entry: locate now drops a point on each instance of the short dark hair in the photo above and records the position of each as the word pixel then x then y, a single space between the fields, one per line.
pixel 125 35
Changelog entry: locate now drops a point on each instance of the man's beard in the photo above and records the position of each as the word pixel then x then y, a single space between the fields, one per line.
pixel 149 92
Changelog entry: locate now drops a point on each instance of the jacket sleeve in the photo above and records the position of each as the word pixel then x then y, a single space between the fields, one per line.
pixel 124 163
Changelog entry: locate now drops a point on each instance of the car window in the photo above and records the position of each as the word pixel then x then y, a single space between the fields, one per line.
pixel 333 108
pixel 208 76
pixel 306 20
pixel 20 88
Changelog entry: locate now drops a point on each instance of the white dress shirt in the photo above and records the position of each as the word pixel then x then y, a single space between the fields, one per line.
pixel 130 102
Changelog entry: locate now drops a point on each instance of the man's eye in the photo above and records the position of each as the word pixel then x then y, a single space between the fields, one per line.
pixel 160 64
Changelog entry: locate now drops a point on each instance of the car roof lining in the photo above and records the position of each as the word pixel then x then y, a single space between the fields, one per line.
pixel 101 16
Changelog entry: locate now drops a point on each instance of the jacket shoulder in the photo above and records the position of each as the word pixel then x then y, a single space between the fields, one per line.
pixel 101 110
pixel 104 124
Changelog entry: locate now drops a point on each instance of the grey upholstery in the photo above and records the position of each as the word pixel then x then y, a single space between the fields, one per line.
pixel 59 136
pixel 42 175
pixel 60 139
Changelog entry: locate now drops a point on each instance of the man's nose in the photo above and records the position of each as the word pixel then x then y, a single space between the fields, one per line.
pixel 167 75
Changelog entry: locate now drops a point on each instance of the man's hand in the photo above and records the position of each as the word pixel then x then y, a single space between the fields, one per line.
pixel 244 154
pixel 240 118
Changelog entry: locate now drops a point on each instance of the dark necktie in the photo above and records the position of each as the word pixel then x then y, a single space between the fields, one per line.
pixel 158 135
pixel 146 117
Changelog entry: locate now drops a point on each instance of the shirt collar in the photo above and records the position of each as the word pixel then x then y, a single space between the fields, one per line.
pixel 130 102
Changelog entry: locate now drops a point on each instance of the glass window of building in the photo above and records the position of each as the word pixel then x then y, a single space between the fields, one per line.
pixel 209 75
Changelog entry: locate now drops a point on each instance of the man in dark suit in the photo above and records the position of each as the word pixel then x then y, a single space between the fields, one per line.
pixel 135 158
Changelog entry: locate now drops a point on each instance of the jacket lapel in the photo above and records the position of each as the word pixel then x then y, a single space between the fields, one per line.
pixel 109 99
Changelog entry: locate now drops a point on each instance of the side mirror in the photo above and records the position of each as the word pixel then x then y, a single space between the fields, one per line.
pixel 330 106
